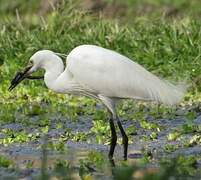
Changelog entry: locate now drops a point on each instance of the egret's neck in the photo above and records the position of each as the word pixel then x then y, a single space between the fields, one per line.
pixel 53 69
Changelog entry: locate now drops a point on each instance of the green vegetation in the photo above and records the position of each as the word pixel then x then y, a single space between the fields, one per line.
pixel 5 162
pixel 163 36
pixel 168 9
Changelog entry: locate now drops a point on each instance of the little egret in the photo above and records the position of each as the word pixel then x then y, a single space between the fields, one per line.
pixel 104 75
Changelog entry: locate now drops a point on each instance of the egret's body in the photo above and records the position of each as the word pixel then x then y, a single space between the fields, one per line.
pixel 105 75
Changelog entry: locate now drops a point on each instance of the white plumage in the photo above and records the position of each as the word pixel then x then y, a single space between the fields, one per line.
pixel 114 75
pixel 105 75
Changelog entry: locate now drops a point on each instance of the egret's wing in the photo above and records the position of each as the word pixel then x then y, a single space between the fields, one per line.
pixel 113 75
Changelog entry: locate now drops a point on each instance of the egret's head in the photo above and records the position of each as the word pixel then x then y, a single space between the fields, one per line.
pixel 43 59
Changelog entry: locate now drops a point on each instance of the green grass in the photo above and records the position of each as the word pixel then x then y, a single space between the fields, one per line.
pixel 171 50
pixel 169 9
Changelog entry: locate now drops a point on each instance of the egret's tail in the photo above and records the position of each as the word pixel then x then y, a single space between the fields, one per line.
pixel 166 92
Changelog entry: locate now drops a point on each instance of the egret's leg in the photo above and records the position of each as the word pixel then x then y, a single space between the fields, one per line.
pixel 124 139
pixel 110 105
pixel 113 139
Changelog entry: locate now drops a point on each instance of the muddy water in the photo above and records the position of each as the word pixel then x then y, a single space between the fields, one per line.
pixel 26 154
pixel 23 155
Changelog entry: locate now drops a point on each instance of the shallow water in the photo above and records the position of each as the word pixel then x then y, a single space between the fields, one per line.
pixel 29 157
pixel 23 155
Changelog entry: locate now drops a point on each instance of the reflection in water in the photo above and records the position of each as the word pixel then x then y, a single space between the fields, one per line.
pixel 81 163
pixel 92 162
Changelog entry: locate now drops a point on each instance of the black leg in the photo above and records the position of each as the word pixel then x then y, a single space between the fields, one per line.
pixel 124 139
pixel 113 139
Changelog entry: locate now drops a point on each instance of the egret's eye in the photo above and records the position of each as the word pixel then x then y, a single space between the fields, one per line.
pixel 31 62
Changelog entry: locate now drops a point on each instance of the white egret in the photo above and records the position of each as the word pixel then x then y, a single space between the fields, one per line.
pixel 104 75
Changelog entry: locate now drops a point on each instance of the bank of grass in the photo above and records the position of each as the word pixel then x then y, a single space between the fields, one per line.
pixel 126 10
pixel 169 9
pixel 168 49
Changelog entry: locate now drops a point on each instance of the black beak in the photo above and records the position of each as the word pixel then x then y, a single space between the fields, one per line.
pixel 19 77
